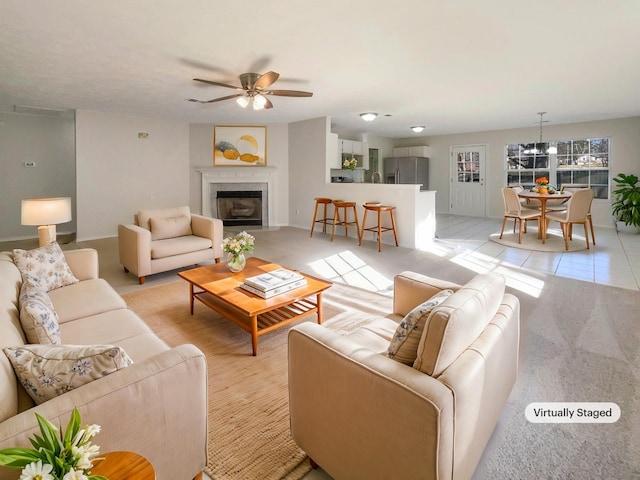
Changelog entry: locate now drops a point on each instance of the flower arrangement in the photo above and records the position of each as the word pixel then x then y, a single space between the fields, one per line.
pixel 240 243
pixel 542 181
pixel 349 163
pixel 54 456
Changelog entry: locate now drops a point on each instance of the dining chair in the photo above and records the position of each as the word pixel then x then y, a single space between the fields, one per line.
pixel 577 211
pixel 514 209
pixel 571 188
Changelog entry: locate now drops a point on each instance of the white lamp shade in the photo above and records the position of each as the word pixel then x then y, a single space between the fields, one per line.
pixel 46 211
pixel 243 101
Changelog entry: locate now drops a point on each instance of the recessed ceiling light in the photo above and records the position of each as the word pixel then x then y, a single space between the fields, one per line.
pixel 368 116
pixel 417 128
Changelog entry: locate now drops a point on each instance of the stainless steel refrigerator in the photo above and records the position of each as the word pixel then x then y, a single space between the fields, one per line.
pixel 412 170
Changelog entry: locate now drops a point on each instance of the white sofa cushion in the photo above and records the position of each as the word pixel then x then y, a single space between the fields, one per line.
pixel 84 299
pixel 170 227
pixel 45 267
pixel 404 345
pixel 38 318
pixel 457 322
pixel 177 246
pixel 47 371
pixel 143 216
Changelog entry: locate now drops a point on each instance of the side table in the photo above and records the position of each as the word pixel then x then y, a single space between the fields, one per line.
pixel 124 466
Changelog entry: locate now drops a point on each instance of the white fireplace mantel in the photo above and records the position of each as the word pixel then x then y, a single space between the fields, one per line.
pixel 237 175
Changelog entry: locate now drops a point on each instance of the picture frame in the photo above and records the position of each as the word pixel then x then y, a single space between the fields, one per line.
pixel 239 146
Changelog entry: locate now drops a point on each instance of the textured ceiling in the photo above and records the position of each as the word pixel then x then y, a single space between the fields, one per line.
pixel 454 66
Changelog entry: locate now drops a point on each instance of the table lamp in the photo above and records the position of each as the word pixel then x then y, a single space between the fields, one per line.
pixel 46 213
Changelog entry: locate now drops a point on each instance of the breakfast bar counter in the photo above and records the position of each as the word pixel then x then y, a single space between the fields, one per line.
pixel 415 209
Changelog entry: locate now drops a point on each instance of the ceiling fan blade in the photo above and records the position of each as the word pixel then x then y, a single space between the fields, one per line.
pixel 218 84
pixel 217 99
pixel 265 80
pixel 289 93
pixel 268 104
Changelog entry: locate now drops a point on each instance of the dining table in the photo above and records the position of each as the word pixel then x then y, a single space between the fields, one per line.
pixel 543 198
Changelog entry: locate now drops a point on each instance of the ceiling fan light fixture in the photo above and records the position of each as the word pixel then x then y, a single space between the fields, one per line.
pixel 259 102
pixel 417 128
pixel 243 101
pixel 369 116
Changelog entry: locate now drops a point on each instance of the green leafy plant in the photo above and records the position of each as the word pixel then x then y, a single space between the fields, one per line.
pixel 56 455
pixel 626 207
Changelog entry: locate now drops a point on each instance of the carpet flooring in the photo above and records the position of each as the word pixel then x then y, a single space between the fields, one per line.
pixel 249 435
pixel 584 351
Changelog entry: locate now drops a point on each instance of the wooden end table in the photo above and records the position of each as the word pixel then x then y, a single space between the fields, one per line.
pixel 219 289
pixel 124 466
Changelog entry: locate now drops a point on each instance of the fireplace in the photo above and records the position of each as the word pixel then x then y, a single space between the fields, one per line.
pixel 239 207
pixel 243 203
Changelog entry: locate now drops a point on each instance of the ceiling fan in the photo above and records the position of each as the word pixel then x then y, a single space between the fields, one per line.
pixel 254 88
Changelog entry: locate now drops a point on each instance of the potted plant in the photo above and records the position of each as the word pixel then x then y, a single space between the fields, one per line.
pixel 626 207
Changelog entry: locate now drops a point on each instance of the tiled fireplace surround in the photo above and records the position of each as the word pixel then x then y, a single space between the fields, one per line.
pixel 233 179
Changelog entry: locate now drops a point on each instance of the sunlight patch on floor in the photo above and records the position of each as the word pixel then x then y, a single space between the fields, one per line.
pixel 348 268
pixel 515 277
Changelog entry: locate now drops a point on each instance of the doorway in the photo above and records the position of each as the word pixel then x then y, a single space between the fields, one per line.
pixel 468 186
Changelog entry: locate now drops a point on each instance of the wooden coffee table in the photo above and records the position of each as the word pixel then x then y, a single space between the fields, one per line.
pixel 219 289
pixel 123 466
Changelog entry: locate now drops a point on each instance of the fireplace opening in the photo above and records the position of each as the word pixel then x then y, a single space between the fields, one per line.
pixel 240 207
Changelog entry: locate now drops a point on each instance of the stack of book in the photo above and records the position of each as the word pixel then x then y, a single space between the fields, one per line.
pixel 273 283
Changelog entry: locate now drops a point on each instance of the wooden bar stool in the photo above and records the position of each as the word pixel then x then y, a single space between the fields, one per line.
pixel 339 204
pixel 379 228
pixel 325 219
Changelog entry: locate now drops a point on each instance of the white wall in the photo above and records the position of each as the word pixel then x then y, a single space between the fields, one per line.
pixel 308 151
pixel 201 156
pixel 47 141
pixel 119 174
pixel 625 157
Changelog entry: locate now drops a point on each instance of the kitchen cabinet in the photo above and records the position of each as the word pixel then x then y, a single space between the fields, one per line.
pixel 359 150
pixel 419 151
pixel 351 146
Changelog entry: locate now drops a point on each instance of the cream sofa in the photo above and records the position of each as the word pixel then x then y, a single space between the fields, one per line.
pixel 360 414
pixel 156 407
pixel 166 239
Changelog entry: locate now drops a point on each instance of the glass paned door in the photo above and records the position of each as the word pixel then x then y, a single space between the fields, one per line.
pixel 467 180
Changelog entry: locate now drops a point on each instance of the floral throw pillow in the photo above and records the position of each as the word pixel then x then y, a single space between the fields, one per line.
pixel 44 267
pixel 404 344
pixel 47 371
pixel 38 318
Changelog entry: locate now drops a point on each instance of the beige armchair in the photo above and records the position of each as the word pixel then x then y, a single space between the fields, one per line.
pixel 166 239
pixel 359 414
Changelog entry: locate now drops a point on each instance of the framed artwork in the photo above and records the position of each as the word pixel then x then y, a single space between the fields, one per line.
pixel 239 146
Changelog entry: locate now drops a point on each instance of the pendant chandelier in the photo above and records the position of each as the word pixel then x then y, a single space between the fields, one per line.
pixel 551 150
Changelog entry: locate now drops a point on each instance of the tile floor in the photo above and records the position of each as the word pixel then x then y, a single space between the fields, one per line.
pixel 614 261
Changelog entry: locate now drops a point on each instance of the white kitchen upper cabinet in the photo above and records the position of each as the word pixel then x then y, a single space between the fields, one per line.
pixel 351 146
pixel 420 151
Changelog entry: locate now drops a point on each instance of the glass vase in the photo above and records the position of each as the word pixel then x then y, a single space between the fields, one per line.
pixel 236 262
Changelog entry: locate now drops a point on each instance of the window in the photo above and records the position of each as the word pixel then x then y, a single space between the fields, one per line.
pixel 578 162
pixel 468 167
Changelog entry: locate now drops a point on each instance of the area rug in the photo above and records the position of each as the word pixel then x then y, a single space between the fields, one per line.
pixel 530 241
pixel 249 436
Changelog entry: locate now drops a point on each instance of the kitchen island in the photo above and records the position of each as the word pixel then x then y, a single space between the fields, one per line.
pixel 415 209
